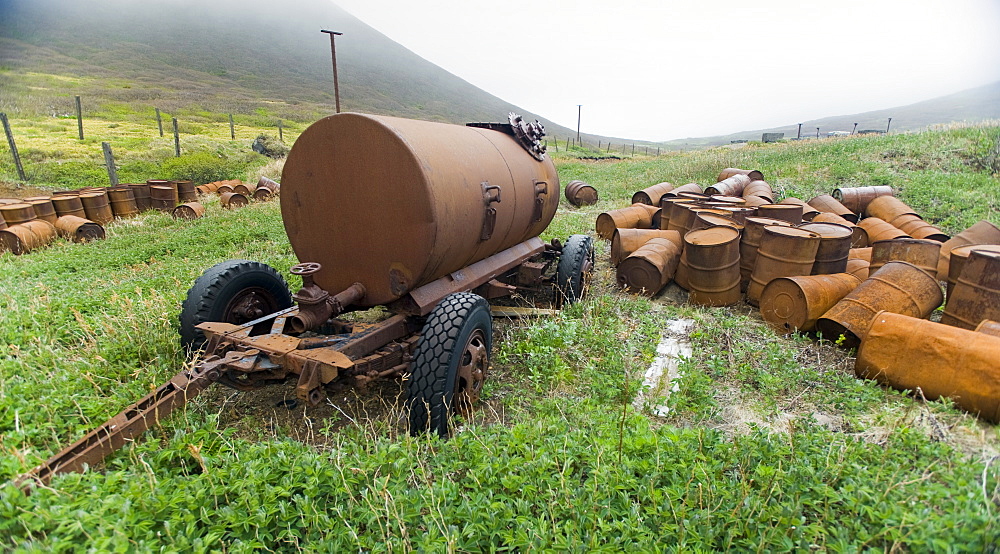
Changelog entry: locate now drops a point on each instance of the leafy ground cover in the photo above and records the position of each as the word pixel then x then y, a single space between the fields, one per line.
pixel 771 444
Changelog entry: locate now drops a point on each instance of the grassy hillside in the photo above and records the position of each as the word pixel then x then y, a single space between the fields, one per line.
pixel 770 443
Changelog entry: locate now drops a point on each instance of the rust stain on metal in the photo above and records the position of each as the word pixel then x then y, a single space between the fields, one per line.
pixel 856 199
pixel 982 232
pixel 626 241
pixel 753 174
pixel 579 194
pixel 829 204
pixel 649 269
pixel 976 295
pixel 78 229
pixel 921 253
pixel 710 266
pixel 989 327
pixel 652 195
pixel 791 304
pixel 783 252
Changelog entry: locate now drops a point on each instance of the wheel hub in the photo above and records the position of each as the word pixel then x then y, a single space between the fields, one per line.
pixel 471 374
pixel 248 305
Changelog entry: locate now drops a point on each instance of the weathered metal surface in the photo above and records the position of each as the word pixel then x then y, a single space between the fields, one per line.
pixel 672 208
pixel 791 213
pixel 829 204
pixel 888 208
pixel 753 230
pixel 636 216
pixel 3 224
pixel 649 269
pixel 243 189
pixel 704 219
pixel 78 229
pixel 792 304
pixel 917 228
pixel 710 266
pixel 860 254
pixel 957 260
pixel 858 268
pixel 879 229
pixel 856 199
pixel 733 201
pixel 897 287
pixel 690 188
pixel 448 180
pixel 122 200
pixel 740 214
pixel 15 214
pixel 186 191
pixel 834 247
pixel 808 212
pixel 783 252
pixel 755 201
pixel 189 210
pixel 652 195
pixel 921 253
pixel 140 191
pixel 939 360
pixel 626 241
pixel 579 193
pixel 97 208
pixel 989 327
pixel 982 232
pixel 233 200
pixel 68 205
pixel 859 237
pixel 162 198
pixel 25 237
pixel 43 208
pixel 753 174
pixel 976 295
pixel 730 186
pixel 758 188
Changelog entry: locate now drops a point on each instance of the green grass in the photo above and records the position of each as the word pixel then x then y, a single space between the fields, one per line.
pixel 770 444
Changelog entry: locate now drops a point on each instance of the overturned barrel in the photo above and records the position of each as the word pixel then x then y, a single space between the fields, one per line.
pixel 730 186
pixel 857 199
pixel 753 174
pixel 652 195
pixel 888 208
pixel 626 241
pixel 650 268
pixel 578 193
pixel 791 304
pixel 267 188
pixel 917 228
pixel 976 295
pixel 25 237
pixel 921 253
pixel 636 216
pixel 466 193
pixel 879 229
pixel 189 210
pixel 78 229
pixel 829 204
pixel 941 361
pixel 989 327
pixel 982 232
pixel 759 189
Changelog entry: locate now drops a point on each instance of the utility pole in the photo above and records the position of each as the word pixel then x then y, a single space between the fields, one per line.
pixel 578 108
pixel 817 132
pixel 799 134
pixel 855 129
pixel 887 126
pixel 333 54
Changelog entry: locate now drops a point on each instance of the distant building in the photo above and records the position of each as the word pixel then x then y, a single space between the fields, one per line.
pixel 772 137
pixel 838 134
pixel 871 132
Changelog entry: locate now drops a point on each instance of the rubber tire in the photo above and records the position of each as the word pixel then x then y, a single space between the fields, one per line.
pixel 431 388
pixel 208 298
pixel 578 250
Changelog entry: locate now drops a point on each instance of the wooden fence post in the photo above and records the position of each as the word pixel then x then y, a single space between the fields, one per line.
pixel 79 116
pixel 109 160
pixel 13 147
pixel 159 121
pixel 177 140
pixel 281 136
pixel 232 129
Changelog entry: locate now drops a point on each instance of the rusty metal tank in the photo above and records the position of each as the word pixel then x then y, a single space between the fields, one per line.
pixel 753 230
pixel 758 188
pixel 888 208
pixel 834 247
pixel 791 213
pixel 395 203
pixel 856 199
pixel 15 214
pixel 68 204
pixel 940 360
pixel 25 237
pixel 652 195
pixel 982 232
pixel 96 206
pixel 858 268
pixel 189 210
pixel 829 204
pixel 140 191
pixel 636 216
pixel 578 193
pixel 626 241
pixel 730 186
pixel 693 188
pixel 791 304
pixel 43 208
pixel 921 253
pixel 233 200
pixel 710 266
pixel 669 210
pixel 122 200
pixel 976 295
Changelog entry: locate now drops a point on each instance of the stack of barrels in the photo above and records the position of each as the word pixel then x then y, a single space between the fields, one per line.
pixel 80 215
pixel 859 267
pixel 237 194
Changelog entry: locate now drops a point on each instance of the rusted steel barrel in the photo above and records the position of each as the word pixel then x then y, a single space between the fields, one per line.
pixel 25 237
pixel 982 232
pixel 636 216
pixel 758 188
pixel 753 174
pixel 162 198
pixel 233 200
pixel 16 214
pixel 185 191
pixel 342 169
pixel 669 209
pixel 976 295
pixel 704 219
pixel 650 268
pixel 921 253
pixel 808 212
pixel 698 196
pixel 97 208
pixel 859 237
pixel 688 188
pixel 652 195
pixel 753 230
pixel 626 241
pixel 189 210
pixel 78 229
pixel 710 263
pixel 989 327
pixel 6 201
pixel 958 257
pixel 578 193
pixel 918 228
pixel 740 214
pixel 731 201
pixel 858 268
pixel 68 205
pixel 878 229
pixel 43 208
pixel 856 199
pixel 829 204
pixel 898 287
pixel 243 189
pixel 791 213
pixel 888 208
pixel 834 247
pixel 784 252
pixel 756 201
pixel 122 201
pixel 685 222
pixel 906 353
pixel 267 188
pixel 3 224
pixel 730 186
pixel 140 192
pixel 860 254
pixel 791 304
